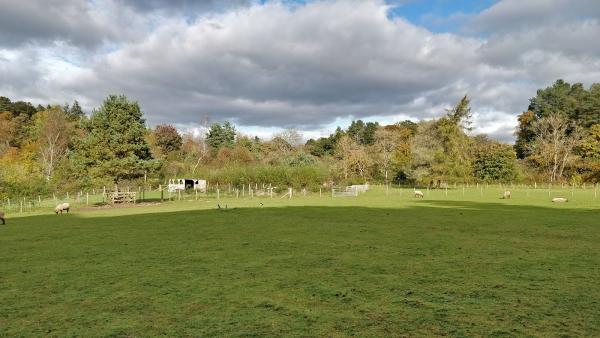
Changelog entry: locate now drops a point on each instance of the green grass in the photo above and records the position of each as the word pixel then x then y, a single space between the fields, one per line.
pixel 375 265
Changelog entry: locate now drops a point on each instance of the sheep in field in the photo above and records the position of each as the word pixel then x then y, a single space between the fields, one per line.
pixel 559 200
pixel 506 195
pixel 62 207
pixel 2 218
pixel 419 193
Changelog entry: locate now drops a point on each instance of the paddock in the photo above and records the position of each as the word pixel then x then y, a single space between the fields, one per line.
pixel 381 262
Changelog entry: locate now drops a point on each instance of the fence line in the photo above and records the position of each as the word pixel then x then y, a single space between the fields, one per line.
pixel 149 193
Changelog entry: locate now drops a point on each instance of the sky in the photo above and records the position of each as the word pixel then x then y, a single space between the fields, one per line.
pixel 270 65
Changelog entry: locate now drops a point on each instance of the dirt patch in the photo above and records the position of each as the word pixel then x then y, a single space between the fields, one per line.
pixel 118 206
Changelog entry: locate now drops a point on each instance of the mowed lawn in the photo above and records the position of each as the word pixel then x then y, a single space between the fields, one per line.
pixel 375 265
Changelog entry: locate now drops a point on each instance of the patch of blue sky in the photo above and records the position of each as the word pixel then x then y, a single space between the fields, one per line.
pixel 291 3
pixel 439 16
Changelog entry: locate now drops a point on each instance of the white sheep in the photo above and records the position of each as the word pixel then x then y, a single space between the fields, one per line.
pixel 559 200
pixel 506 195
pixel 2 218
pixel 419 193
pixel 62 207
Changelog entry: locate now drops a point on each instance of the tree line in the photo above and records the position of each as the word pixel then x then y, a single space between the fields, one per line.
pixel 56 148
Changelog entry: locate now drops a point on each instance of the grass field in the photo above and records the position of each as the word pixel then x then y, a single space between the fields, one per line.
pixel 451 264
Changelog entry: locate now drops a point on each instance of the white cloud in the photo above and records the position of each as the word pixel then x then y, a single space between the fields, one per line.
pixel 268 67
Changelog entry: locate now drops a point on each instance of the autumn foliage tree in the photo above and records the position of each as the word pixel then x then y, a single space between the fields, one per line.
pixel 167 139
pixel 53 139
pixel 554 144
pixel 387 142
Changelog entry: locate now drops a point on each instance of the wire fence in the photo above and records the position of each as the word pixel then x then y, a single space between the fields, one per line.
pixel 145 194
pixel 160 193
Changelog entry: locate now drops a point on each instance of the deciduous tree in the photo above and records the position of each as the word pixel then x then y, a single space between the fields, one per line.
pixel 386 144
pixel 554 144
pixel 167 138
pixel 53 139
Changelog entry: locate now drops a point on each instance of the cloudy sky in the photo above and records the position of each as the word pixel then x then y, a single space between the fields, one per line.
pixel 309 65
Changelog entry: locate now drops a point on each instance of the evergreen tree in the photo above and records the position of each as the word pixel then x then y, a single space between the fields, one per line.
pixel 451 129
pixel 5 104
pixel 461 115
pixel 572 101
pixel 16 108
pixel 525 134
pixel 355 130
pixel 409 125
pixel 368 134
pixel 75 112
pixel 220 136
pixel 363 133
pixel 114 145
pixel 589 112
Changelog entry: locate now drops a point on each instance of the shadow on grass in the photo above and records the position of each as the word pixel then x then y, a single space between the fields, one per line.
pixel 430 268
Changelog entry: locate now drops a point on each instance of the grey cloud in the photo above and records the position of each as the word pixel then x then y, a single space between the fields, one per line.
pixel 510 15
pixel 292 68
pixel 87 25
pixel 19 73
pixel 269 66
pixel 42 21
pixel 193 6
pixel 576 40
pixel 90 24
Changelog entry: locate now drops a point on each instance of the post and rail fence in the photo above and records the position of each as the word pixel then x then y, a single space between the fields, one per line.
pixel 159 193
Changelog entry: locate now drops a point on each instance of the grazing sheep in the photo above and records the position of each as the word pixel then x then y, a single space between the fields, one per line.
pixel 419 193
pixel 2 218
pixel 506 195
pixel 559 200
pixel 62 207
